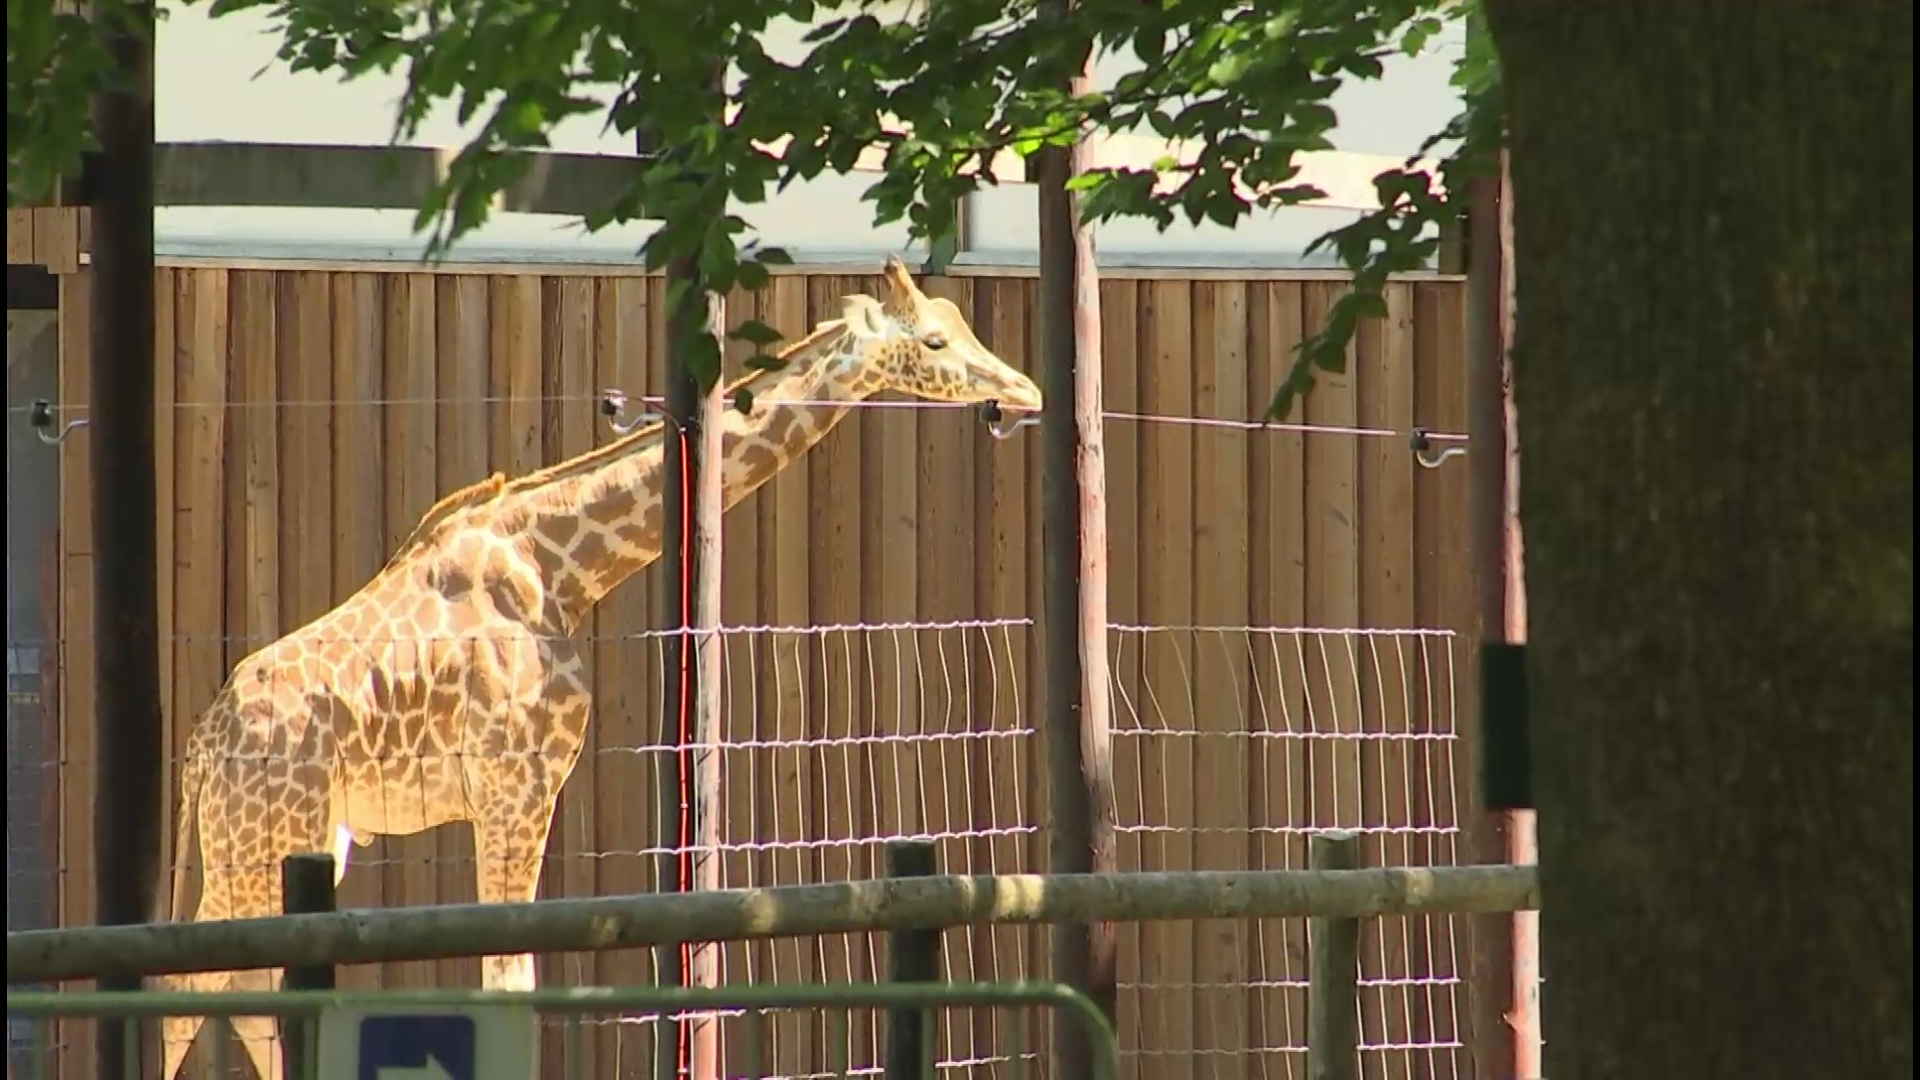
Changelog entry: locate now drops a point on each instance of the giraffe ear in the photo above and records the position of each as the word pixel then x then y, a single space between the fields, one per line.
pixel 862 314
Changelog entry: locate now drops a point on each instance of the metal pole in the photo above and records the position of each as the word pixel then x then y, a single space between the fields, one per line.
pixel 130 770
pixel 1074 515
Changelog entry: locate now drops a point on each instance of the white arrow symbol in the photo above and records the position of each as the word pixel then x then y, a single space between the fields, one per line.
pixel 430 1071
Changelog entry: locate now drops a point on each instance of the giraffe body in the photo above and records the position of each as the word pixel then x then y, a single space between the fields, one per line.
pixel 448 688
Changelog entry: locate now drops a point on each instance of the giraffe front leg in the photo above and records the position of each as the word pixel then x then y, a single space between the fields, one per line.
pixel 510 851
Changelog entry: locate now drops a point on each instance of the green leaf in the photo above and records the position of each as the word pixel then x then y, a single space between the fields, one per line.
pixel 763 362
pixel 756 332
pixel 743 400
pixel 702 359
pixel 752 276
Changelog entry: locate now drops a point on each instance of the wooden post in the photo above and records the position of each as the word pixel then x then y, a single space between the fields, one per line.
pixel 1506 964
pixel 912 956
pixel 1074 514
pixel 307 888
pixel 1333 956
pixel 691 554
pixel 130 770
pixel 703 439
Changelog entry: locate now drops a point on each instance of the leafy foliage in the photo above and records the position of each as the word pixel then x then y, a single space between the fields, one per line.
pixel 56 61
pixel 938 97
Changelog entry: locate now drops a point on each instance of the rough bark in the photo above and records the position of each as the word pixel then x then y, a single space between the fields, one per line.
pixel 1714 372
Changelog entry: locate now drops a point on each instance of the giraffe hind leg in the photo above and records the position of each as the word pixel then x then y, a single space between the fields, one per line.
pixel 510 851
pixel 230 892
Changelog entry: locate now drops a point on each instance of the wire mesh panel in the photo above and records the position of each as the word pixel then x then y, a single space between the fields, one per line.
pixel 1279 734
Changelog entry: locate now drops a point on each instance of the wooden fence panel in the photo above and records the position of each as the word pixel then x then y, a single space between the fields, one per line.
pixel 314 414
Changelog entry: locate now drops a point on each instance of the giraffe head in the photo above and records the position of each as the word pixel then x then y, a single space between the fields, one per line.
pixel 922 345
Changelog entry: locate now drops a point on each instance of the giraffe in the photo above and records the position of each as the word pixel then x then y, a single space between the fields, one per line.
pixel 448 688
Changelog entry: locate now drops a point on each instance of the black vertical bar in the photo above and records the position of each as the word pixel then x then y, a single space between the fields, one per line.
pixel 130 766
pixel 306 888
pixel 912 956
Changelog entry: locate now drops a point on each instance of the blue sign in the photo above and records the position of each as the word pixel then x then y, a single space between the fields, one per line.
pixel 419 1046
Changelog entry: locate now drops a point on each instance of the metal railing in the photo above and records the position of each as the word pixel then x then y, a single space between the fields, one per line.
pixel 331 1047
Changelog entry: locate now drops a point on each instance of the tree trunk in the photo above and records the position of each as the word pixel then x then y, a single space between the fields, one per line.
pixel 1714 371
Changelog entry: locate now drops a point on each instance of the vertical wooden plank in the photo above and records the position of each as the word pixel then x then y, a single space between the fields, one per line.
pixel 1387 601
pixel 1221 716
pixel 1003 765
pixel 1277 580
pixel 834 566
pixel 948 511
pixel 1120 347
pixel 20 247
pixel 77 746
pixel 567 416
pixel 254 600
pixel 165 447
pixel 743 962
pixel 626 679
pixel 787 601
pixel 1166 601
pixel 358 546
pixel 299 366
pixel 889 546
pixel 516 355
pixel 253 567
pixel 305 413
pixel 1333 596
pixel 56 238
pixel 1444 599
pixel 516 384
pixel 1333 584
pixel 165 397
pixel 463 337
pixel 411 427
pixel 514 414
pixel 202 362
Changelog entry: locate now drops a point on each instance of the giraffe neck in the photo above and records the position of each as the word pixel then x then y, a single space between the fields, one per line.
pixel 592 526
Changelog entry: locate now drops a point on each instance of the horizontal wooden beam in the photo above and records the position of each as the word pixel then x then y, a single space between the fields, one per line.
pixel 399 177
pixel 629 922
pixel 369 177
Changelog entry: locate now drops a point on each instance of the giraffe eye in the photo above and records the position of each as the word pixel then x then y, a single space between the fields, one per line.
pixel 935 341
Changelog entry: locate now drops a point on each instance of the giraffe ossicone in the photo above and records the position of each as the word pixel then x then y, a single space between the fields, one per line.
pixel 448 688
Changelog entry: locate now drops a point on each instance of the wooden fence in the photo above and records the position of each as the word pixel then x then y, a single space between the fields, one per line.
pixel 309 416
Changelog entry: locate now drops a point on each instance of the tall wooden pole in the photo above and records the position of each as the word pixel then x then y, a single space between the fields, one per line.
pixel 1507 1027
pixel 1074 515
pixel 1523 847
pixel 705 409
pixel 130 769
